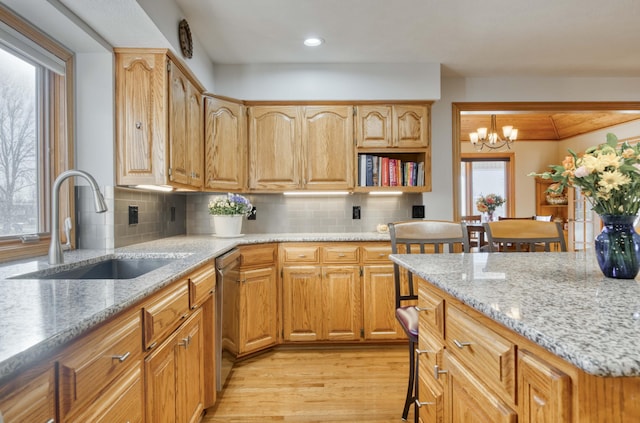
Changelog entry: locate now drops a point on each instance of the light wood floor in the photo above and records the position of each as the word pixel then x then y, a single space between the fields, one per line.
pixel 350 384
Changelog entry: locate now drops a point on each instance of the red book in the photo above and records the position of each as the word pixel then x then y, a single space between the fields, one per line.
pixel 393 174
pixel 384 169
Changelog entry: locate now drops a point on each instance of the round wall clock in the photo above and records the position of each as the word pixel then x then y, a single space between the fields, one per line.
pixel 186 43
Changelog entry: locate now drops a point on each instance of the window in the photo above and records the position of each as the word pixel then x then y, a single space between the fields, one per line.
pixel 34 134
pixel 482 174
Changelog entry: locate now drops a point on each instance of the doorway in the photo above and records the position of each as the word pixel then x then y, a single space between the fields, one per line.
pixel 517 108
pixel 482 174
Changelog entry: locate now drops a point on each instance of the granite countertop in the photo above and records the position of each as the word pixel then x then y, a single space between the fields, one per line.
pixel 39 315
pixel 561 301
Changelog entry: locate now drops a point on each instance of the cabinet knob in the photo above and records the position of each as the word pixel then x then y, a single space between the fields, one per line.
pixel 138 125
pixel 121 357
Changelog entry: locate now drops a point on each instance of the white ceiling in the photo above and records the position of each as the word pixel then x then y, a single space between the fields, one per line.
pixel 468 37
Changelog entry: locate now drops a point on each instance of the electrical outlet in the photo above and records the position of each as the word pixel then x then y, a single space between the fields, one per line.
pixel 254 214
pixel 133 215
pixel 417 212
pixel 355 214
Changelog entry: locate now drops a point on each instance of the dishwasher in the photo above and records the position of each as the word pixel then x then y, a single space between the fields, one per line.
pixel 228 276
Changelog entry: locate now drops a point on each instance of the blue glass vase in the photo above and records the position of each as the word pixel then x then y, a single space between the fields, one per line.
pixel 618 247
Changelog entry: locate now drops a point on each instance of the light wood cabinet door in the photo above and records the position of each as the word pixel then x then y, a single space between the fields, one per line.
pixel 544 392
pixel 302 303
pixel 185 130
pixel 374 128
pixel 411 126
pixel 258 302
pixel 468 401
pixel 225 145
pixel 274 148
pixel 327 146
pixel 430 400
pixel 164 312
pixel 190 370
pixel 378 300
pixel 141 118
pixel 341 311
pixel 174 375
pixel 30 397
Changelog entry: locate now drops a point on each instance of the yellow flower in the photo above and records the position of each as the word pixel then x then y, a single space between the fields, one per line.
pixel 568 163
pixel 609 159
pixel 613 180
pixel 628 153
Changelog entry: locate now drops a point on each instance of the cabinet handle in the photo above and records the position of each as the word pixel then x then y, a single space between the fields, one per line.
pixel 461 345
pixel 51 420
pixel 185 342
pixel 424 352
pixel 341 255
pixel 302 256
pixel 437 372
pixel 150 347
pixel 382 255
pixel 418 309
pixel 420 404
pixel 122 357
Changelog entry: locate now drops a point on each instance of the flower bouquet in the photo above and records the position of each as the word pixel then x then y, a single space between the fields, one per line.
pixel 609 177
pixel 488 204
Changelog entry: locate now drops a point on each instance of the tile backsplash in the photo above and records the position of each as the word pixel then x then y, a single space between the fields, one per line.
pixel 277 213
pixel 162 215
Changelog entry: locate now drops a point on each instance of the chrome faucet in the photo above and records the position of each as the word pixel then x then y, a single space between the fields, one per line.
pixel 55 249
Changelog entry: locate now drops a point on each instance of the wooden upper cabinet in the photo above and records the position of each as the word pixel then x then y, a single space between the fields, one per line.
pixel 160 133
pixel 327 145
pixel 225 145
pixel 185 130
pixel 398 125
pixel 274 147
pixel 374 126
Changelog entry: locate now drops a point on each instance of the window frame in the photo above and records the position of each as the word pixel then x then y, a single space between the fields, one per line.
pixel 509 158
pixel 57 130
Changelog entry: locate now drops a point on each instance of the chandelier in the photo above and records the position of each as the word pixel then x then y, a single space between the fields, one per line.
pixel 492 139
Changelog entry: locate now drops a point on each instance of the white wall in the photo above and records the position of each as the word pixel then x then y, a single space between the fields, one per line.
pixel 329 81
pixel 95 117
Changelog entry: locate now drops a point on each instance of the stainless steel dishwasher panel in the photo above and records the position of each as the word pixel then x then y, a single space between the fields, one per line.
pixel 227 280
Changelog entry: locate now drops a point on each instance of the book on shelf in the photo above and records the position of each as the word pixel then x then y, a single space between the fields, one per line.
pixel 386 171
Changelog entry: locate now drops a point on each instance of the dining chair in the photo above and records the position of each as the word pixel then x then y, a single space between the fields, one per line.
pixel 475 230
pixel 524 235
pixel 419 237
pixel 516 218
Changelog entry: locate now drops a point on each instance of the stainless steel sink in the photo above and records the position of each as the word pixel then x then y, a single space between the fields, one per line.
pixel 113 268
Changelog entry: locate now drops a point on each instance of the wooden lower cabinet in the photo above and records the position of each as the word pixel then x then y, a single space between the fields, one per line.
pixel 174 375
pixel 467 400
pixel 29 397
pixel 378 302
pixel 321 303
pixel 544 392
pixel 250 321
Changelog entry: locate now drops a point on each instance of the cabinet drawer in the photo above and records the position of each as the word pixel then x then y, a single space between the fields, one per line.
pixel 122 402
pixel 301 254
pixel 376 253
pixel 29 397
pixel 258 255
pixel 431 308
pixel 92 363
pixel 202 283
pixel 490 356
pixel 164 312
pixel 340 254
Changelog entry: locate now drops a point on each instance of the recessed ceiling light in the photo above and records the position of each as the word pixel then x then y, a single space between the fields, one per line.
pixel 313 42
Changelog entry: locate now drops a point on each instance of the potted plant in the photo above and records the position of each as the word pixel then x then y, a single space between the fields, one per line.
pixel 227 212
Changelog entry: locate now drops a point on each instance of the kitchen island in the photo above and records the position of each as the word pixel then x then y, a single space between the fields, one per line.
pixel 537 337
